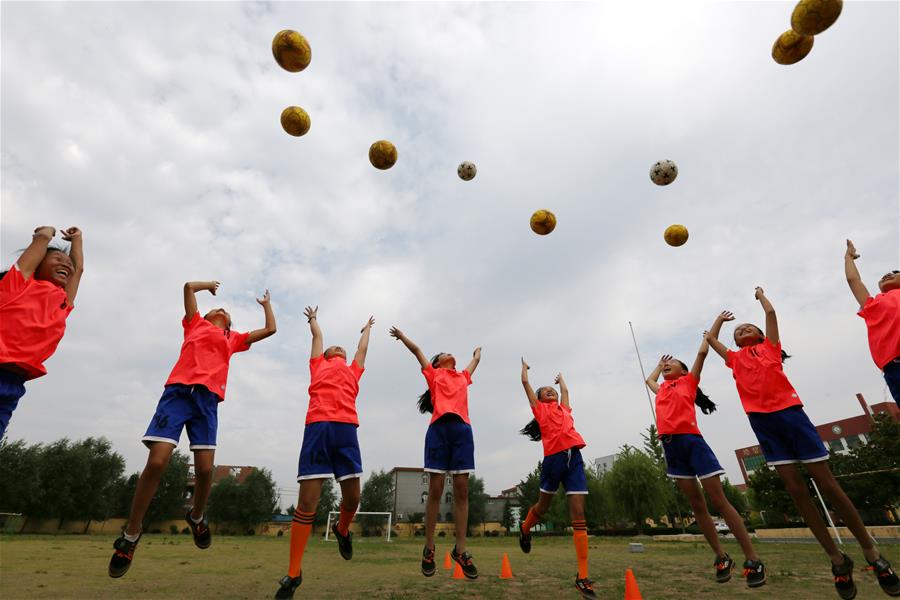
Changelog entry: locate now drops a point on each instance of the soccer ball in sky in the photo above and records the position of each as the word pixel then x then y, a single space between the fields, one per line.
pixel 791 47
pixel 543 221
pixel 382 154
pixel 676 235
pixel 291 51
pixel 663 172
pixel 295 120
pixel 812 17
pixel 466 170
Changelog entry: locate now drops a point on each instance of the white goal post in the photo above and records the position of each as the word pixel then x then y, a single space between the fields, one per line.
pixel 387 535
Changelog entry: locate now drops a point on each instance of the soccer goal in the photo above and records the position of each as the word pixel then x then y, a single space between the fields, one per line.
pixel 335 513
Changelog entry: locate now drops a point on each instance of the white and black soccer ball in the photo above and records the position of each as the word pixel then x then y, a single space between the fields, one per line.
pixel 663 172
pixel 466 170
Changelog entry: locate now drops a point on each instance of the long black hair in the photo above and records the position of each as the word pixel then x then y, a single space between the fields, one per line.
pixel 532 430
pixel 702 401
pixel 425 404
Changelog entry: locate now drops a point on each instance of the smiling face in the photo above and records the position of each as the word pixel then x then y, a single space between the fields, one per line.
pixel 444 360
pixel 219 317
pixel 673 369
pixel 547 394
pixel 56 268
pixel 890 281
pixel 333 351
pixel 747 334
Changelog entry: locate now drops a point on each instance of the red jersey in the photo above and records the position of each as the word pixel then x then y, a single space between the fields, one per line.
pixel 333 388
pixel 675 408
pixel 882 315
pixel 205 353
pixel 33 316
pixel 449 393
pixel 557 427
pixel 759 375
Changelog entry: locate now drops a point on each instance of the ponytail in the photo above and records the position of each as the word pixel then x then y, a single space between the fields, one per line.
pixel 784 356
pixel 706 405
pixel 425 404
pixel 532 431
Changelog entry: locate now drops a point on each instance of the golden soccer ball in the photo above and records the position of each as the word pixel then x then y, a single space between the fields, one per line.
pixel 812 17
pixel 291 51
pixel 791 47
pixel 382 154
pixel 543 221
pixel 295 120
pixel 676 235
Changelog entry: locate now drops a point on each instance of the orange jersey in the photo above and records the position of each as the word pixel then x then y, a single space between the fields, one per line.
pixel 33 316
pixel 882 316
pixel 205 353
pixel 557 427
pixel 675 409
pixel 449 392
pixel 333 388
pixel 759 375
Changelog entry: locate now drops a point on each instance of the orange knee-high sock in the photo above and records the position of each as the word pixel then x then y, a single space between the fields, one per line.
pixel 343 525
pixel 531 520
pixel 581 547
pixel 300 530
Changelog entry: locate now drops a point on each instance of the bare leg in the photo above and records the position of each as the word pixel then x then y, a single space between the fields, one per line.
pixel 691 489
pixel 157 461
pixel 796 487
pixel 203 472
pixel 435 491
pixel 541 507
pixel 576 506
pixel 310 491
pixel 461 509
pixel 713 487
pixel 350 493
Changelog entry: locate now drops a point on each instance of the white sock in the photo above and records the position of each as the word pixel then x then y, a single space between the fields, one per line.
pixel 132 537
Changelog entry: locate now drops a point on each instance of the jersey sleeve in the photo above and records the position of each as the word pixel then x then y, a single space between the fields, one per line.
pixel 191 323
pixel 237 341
pixel 729 358
pixel 868 307
pixel 12 282
pixel 774 350
pixel 468 376
pixel 537 409
pixel 356 370
pixel 428 372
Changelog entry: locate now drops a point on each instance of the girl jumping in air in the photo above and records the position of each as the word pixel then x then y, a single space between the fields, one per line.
pixel 689 459
pixel 882 316
pixel 36 296
pixel 787 437
pixel 554 427
pixel 330 446
pixel 190 399
pixel 449 446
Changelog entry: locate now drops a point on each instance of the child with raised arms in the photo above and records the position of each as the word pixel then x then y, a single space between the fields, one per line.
pixel 691 462
pixel 330 445
pixel 787 438
pixel 882 316
pixel 190 399
pixel 554 427
pixel 36 296
pixel 449 446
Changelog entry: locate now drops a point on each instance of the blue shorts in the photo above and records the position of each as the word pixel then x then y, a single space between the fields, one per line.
pixel 12 387
pixel 567 468
pixel 892 378
pixel 689 456
pixel 449 446
pixel 329 448
pixel 182 405
pixel 787 436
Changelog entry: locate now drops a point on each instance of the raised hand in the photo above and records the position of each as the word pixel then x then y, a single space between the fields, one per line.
pixel 725 315
pixel 559 379
pixel 369 324
pixel 310 313
pixel 265 299
pixel 663 360
pixel 70 234
pixel 45 230
pixel 396 333
pixel 477 353
pixel 758 293
pixel 213 287
pixel 851 253
pixel 525 364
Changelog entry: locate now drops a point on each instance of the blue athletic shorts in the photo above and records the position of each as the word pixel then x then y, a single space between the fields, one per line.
pixel 892 378
pixel 788 436
pixel 449 446
pixel 567 468
pixel 12 387
pixel 329 448
pixel 191 406
pixel 689 456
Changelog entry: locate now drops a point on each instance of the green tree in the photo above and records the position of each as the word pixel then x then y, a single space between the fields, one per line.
pixel 477 502
pixel 636 487
pixel 736 497
pixel 247 504
pixel 20 476
pixel 169 500
pixel 377 495
pixel 327 502
pixel 290 510
pixel 676 503
pixel 529 490
pixel 870 473
pixel 769 496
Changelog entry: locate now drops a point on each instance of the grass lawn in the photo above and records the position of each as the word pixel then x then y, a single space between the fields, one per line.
pixel 74 566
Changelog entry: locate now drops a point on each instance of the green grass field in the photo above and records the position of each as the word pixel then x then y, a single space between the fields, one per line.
pixel 247 567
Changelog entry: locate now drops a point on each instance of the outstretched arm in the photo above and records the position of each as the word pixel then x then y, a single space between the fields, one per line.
pixel 269 328
pixel 529 392
pixel 318 347
pixel 76 253
pixel 476 358
pixel 35 251
pixel 411 346
pixel 363 345
pixel 857 287
pixel 771 319
pixel 657 371
pixel 712 336
pixel 563 390
pixel 701 358
pixel 190 300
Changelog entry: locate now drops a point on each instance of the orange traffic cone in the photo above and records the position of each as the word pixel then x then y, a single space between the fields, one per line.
pixel 448 564
pixel 631 587
pixel 457 572
pixel 505 569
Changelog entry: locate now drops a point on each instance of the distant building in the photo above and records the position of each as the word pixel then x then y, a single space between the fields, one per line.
pixel 220 472
pixel 604 463
pixel 411 493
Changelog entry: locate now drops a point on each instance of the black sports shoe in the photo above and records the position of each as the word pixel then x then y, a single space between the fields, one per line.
pixel 524 541
pixel 428 561
pixel 886 577
pixel 465 561
pixel 202 534
pixel 123 555
pixel 585 586
pixel 755 572
pixel 288 585
pixel 345 542
pixel 724 566
pixel 843 578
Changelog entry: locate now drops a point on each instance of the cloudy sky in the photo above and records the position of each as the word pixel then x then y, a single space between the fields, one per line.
pixel 155 128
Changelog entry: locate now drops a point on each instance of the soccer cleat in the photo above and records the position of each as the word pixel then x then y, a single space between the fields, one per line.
pixel 465 561
pixel 345 542
pixel 724 566
pixel 123 555
pixel 755 572
pixel 843 578
pixel 202 534
pixel 288 585
pixel 886 577
pixel 524 541
pixel 428 561
pixel 585 587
